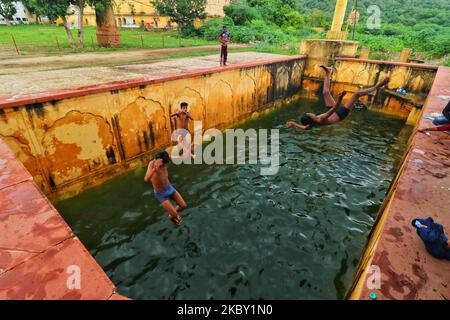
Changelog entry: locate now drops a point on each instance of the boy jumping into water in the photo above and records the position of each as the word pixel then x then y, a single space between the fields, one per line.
pixel 183 128
pixel 337 112
pixel 183 118
pixel 159 176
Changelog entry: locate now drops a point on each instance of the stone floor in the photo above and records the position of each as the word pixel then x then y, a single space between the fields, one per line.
pixel 51 80
pixel 38 251
pixel 37 247
pixel 423 190
pixel 22 65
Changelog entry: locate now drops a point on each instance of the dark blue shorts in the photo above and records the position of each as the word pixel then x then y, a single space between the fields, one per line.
pixel 342 112
pixel 165 194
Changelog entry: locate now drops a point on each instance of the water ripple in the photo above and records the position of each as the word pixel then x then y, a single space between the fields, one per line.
pixel 298 234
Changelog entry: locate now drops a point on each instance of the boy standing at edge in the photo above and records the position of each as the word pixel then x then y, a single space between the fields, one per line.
pixel 224 39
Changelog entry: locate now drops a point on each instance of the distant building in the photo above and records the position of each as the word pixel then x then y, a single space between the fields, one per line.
pixel 136 13
pixel 22 15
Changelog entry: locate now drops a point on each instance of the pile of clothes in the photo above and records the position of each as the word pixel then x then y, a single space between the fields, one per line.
pixel 433 236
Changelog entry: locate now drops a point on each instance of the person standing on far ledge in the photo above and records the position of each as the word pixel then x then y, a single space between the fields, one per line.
pixel 224 39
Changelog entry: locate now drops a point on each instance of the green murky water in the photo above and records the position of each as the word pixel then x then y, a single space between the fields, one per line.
pixel 296 235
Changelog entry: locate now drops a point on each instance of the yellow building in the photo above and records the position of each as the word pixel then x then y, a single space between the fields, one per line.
pixel 132 13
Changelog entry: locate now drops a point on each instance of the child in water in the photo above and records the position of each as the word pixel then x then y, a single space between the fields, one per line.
pixel 337 112
pixel 183 129
pixel 159 176
pixel 183 117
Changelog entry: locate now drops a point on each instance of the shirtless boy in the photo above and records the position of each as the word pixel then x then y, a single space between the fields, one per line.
pixel 183 118
pixel 159 176
pixel 337 112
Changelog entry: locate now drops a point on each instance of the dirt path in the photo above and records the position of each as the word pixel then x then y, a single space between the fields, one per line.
pixel 48 80
pixel 31 64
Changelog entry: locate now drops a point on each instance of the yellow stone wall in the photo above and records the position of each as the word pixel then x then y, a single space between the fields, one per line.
pixel 354 74
pixel 322 51
pixel 351 76
pixel 75 143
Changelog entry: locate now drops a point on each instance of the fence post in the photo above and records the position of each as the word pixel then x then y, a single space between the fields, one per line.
pixel 57 43
pixel 92 43
pixel 142 41
pixel 15 45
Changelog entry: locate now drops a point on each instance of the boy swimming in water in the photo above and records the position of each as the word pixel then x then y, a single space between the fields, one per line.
pixel 159 176
pixel 337 112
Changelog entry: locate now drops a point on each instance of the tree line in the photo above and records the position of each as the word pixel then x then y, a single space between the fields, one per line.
pixel 421 25
pixel 54 9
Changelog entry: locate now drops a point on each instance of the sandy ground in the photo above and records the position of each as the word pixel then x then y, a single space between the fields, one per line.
pixel 22 65
pixel 48 78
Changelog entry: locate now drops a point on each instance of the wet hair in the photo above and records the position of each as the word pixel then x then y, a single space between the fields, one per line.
pixel 414 223
pixel 305 119
pixel 164 156
pixel 184 104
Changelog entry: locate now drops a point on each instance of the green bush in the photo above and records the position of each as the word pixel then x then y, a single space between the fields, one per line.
pixel 294 19
pixel 285 22
pixel 439 45
pixel 210 30
pixel 241 13
pixel 447 62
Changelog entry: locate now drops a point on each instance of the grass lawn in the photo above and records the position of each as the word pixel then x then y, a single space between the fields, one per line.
pixel 44 39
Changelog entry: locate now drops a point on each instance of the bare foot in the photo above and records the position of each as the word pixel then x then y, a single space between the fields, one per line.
pixel 383 82
pixel 326 69
pixel 176 220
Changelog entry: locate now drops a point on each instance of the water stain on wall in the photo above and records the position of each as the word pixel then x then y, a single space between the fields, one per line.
pixel 77 142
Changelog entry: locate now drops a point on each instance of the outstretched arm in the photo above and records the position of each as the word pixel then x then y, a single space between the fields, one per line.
pixel 296 125
pixel 332 110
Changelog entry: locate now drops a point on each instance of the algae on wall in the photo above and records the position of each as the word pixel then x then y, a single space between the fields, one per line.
pixel 74 143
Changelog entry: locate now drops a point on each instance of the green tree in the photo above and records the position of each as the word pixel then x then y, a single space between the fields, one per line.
pixel 241 13
pixel 32 8
pixel 318 18
pixel 107 32
pixel 7 10
pixel 182 12
pixel 80 4
pixel 275 11
pixel 132 8
pixel 54 9
pixel 294 19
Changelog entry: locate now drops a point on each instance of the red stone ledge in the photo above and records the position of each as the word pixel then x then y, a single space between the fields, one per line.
pixel 37 246
pixel 21 100
pixel 392 63
pixel 422 190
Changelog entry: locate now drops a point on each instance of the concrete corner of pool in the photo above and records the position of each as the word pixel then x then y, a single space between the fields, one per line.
pixel 56 144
